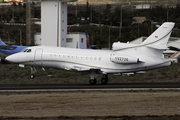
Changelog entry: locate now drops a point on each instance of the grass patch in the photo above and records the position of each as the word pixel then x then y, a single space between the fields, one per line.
pixel 12 74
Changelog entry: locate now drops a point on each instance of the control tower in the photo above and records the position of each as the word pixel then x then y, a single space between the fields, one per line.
pixel 54 22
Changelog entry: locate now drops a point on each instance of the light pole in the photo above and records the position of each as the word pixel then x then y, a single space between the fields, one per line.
pixel 8 38
pixel 91 13
pixel 76 10
pixel 120 23
pixel 20 37
pixel 109 37
pixel 138 29
pixel 151 26
pixel 69 29
pixel 167 14
pixel 13 13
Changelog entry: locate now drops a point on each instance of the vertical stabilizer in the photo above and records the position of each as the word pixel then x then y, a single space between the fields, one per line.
pixel 2 43
pixel 160 37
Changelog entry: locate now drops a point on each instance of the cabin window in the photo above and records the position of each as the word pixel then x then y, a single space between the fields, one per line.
pixel 91 58
pixel 100 59
pixel 77 57
pixel 95 58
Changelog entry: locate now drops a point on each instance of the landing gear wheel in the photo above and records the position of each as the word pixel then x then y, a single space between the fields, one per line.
pixel 104 81
pixel 32 76
pixel 92 81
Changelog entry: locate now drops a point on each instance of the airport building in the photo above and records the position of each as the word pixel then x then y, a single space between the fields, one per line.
pixel 54 26
pixel 13 1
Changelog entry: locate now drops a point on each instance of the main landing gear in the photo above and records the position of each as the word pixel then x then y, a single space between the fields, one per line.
pixel 104 80
pixel 93 80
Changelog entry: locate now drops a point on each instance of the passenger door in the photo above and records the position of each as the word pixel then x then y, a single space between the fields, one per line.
pixel 38 57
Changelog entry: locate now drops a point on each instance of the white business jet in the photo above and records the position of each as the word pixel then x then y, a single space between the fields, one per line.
pixel 124 58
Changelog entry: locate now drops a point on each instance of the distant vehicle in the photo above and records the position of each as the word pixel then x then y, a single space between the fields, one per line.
pixel 6 50
pixel 125 58
pixel 36 21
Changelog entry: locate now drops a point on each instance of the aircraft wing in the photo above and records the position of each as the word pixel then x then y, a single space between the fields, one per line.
pixel 173 48
pixel 75 67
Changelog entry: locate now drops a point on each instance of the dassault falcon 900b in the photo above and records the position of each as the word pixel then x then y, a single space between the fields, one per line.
pixel 124 58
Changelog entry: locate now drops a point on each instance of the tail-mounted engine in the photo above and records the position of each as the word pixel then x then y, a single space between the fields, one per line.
pixel 123 59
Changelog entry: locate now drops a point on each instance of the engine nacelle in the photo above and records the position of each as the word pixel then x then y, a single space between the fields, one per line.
pixel 123 59
pixel 118 45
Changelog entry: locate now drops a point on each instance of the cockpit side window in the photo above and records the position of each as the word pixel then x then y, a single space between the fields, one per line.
pixel 26 50
pixel 29 50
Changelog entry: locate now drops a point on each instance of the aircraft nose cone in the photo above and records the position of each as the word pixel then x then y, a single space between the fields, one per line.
pixel 11 58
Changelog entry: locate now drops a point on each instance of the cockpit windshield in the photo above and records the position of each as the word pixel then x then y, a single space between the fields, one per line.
pixel 26 50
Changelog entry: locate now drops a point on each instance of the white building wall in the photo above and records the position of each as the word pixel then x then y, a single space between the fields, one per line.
pixel 63 24
pixel 49 23
pixel 37 39
pixel 78 41
pixel 82 41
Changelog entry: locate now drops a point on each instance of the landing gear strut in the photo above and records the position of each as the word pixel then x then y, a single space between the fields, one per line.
pixel 92 80
pixel 104 80
pixel 33 70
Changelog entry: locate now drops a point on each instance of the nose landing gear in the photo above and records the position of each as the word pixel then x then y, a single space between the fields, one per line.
pixel 33 70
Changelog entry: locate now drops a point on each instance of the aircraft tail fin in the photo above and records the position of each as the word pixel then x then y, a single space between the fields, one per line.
pixel 160 37
pixel 2 43
pixel 87 40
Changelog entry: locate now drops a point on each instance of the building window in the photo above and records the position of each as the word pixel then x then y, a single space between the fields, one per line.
pixel 62 12
pixel 82 40
pixel 69 39
pixel 62 21
pixel 62 39
pixel 62 30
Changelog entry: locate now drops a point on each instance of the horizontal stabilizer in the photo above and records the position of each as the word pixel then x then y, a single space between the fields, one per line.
pixel 160 47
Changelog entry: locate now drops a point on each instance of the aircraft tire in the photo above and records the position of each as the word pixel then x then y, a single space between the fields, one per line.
pixel 92 81
pixel 104 81
pixel 32 76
